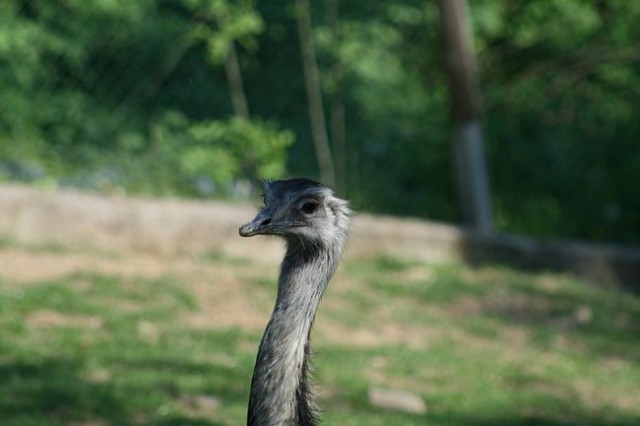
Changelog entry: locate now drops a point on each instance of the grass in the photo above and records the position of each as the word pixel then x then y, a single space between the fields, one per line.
pixel 490 346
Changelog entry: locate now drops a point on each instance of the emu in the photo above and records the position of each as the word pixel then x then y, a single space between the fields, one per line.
pixel 314 224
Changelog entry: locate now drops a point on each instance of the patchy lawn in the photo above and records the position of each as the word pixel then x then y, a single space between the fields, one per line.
pixel 95 338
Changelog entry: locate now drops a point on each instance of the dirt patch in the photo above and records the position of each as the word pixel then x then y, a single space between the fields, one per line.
pixel 24 265
pixel 48 318
pixel 226 302
pixel 197 406
pixel 393 334
pixel 225 297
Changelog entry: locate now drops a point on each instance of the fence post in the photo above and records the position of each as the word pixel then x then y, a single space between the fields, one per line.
pixel 468 145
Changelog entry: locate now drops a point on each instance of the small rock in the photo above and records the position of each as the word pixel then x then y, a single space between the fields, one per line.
pixel 201 405
pixel 149 331
pixel 397 400
pixel 583 314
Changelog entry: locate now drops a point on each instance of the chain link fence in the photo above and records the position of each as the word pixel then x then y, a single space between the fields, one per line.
pixel 200 98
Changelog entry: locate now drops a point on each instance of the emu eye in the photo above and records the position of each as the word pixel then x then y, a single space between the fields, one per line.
pixel 309 207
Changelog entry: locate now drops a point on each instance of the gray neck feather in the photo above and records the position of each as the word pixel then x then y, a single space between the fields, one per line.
pixel 280 393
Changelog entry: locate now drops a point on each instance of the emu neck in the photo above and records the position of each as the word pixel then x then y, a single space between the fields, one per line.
pixel 280 392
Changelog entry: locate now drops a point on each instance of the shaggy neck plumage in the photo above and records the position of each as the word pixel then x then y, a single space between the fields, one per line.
pixel 280 393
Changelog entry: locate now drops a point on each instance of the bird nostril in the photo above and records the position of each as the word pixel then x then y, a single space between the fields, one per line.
pixel 265 222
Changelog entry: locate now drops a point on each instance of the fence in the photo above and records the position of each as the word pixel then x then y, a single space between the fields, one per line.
pixel 199 98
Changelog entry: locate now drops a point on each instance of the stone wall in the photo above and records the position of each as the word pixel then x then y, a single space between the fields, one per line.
pixel 70 218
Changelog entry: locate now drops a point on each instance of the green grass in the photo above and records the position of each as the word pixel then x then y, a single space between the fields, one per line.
pixel 482 347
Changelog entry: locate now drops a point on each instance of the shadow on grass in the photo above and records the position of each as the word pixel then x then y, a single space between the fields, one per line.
pixel 54 392
pixel 528 421
pixel 605 322
pixel 605 266
pixel 575 416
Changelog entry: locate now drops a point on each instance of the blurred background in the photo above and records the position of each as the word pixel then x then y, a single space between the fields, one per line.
pixel 125 302
pixel 201 98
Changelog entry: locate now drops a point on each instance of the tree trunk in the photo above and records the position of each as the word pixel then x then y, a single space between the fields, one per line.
pixel 468 146
pixel 314 94
pixel 339 133
pixel 234 79
pixel 338 122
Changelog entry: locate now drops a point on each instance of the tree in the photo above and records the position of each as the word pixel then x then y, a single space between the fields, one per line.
pixel 468 146
pixel 314 93
pixel 222 24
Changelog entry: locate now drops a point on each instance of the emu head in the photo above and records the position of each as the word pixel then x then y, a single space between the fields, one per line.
pixel 300 208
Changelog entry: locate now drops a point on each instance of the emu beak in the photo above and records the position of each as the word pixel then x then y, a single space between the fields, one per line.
pixel 259 225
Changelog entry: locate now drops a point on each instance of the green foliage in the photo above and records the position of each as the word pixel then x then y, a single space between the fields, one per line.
pixel 66 118
pixel 253 149
pixel 559 108
pixel 205 157
pixel 87 87
pixel 224 22
pixel 397 115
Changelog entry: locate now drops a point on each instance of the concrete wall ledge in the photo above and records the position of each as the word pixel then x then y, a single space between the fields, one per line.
pixel 71 218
